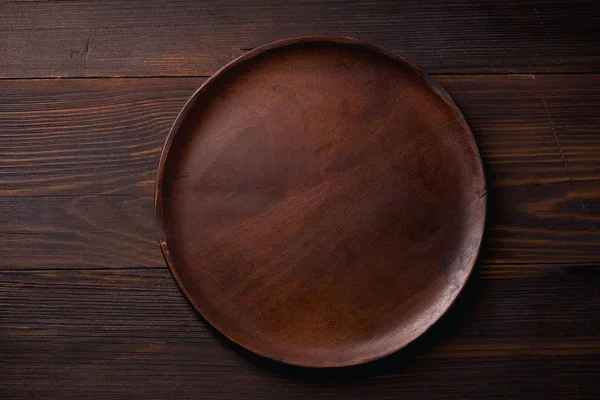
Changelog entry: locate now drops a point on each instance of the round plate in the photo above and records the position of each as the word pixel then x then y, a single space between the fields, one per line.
pixel 320 201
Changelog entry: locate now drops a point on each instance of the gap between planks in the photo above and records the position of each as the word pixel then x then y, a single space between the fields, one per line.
pixel 479 265
pixel 529 74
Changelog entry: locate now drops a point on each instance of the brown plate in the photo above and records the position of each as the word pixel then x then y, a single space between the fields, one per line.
pixel 320 201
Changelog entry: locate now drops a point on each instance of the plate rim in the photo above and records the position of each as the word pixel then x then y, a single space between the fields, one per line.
pixel 323 39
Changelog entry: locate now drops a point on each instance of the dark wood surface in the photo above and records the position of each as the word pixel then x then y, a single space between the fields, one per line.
pixel 88 308
pixel 158 38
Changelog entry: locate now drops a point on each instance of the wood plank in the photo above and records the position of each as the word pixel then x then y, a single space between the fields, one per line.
pixel 180 38
pixel 85 231
pixel 546 223
pixel 526 224
pixel 131 333
pixel 78 164
pixel 91 136
pixel 84 136
pixel 532 129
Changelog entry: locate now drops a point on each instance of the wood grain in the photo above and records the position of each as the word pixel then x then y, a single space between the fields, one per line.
pixel 86 231
pixel 78 162
pixel 177 38
pixel 100 136
pixel 132 334
pixel 538 224
pixel 532 129
pixel 84 136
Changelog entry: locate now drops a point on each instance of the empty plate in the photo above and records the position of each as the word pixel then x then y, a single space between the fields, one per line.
pixel 320 201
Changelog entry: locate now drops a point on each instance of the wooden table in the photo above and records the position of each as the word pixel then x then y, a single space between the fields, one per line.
pixel 88 91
